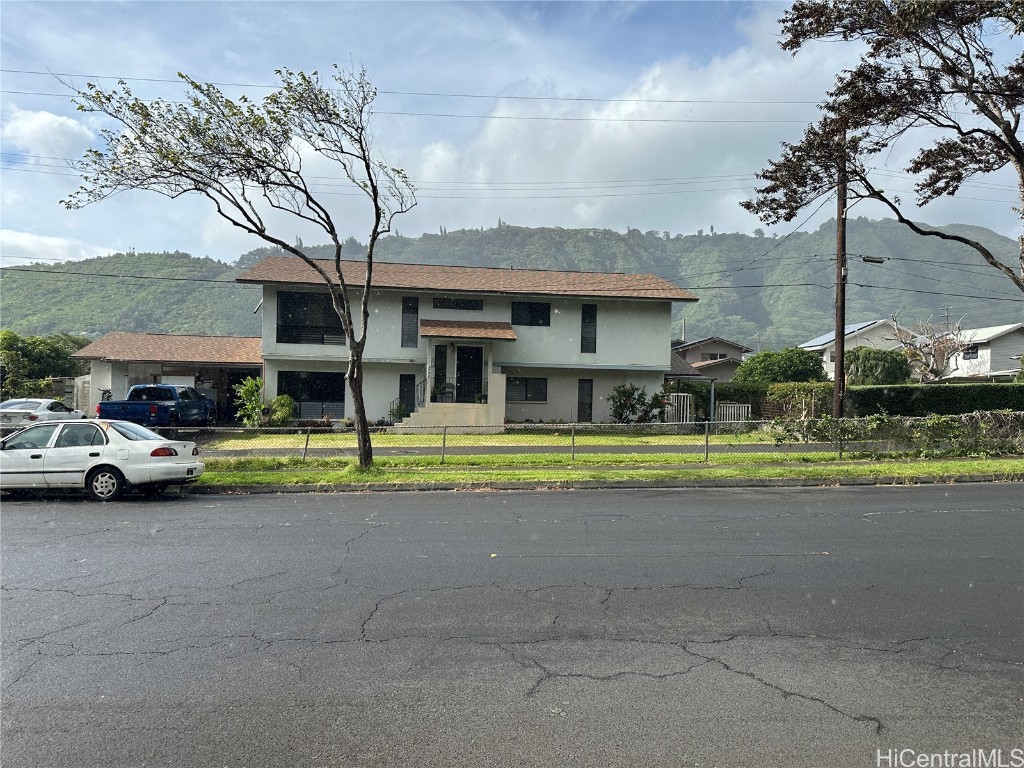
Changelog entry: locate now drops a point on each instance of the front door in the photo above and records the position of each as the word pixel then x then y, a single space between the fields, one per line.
pixel 469 374
pixel 407 393
pixel 585 400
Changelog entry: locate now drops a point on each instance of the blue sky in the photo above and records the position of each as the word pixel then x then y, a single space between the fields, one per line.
pixel 653 115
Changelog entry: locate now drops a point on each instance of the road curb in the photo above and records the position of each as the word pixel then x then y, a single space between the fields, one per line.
pixel 568 485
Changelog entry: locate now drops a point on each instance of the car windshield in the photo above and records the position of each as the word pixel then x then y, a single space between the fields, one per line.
pixel 133 431
pixel 19 405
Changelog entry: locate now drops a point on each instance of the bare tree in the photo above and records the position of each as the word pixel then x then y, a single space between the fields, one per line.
pixel 929 70
pixel 929 348
pixel 247 159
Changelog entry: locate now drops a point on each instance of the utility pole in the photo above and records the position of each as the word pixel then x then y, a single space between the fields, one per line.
pixel 840 369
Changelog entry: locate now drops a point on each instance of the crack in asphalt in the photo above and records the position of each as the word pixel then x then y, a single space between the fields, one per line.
pixel 347 551
pixel 786 693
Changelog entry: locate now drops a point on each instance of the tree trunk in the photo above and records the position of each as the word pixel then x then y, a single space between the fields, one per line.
pixel 354 376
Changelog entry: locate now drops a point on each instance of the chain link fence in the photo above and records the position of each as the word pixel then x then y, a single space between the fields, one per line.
pixel 782 440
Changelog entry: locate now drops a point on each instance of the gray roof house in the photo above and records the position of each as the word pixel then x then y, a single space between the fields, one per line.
pixel 992 354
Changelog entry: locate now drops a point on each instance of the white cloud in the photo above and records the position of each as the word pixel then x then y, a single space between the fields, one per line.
pixel 526 172
pixel 25 248
pixel 44 133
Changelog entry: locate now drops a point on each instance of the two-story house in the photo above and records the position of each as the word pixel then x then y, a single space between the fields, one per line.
pixel 466 345
pixel 713 357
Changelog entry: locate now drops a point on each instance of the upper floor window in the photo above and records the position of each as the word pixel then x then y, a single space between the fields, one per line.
pixel 307 318
pixel 588 328
pixel 448 302
pixel 410 321
pixel 531 313
pixel 705 356
pixel 971 353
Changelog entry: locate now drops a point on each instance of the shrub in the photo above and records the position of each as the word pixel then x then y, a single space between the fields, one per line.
pixel 249 399
pixel 280 411
pixel 630 404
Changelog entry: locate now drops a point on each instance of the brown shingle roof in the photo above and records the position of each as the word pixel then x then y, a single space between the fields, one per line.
pixel 158 347
pixel 432 277
pixel 467 329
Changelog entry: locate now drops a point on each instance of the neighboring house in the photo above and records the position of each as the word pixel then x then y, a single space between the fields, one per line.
pixel 872 333
pixel 467 345
pixel 212 364
pixel 713 357
pixel 992 354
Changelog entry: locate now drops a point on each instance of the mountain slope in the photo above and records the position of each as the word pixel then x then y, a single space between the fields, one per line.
pixel 759 291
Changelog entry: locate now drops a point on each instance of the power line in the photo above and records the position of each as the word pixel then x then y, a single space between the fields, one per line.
pixel 80 275
pixel 432 94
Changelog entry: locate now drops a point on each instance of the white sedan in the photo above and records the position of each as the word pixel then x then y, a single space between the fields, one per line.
pixel 103 457
pixel 29 410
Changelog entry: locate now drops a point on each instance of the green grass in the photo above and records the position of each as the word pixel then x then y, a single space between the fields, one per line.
pixel 498 469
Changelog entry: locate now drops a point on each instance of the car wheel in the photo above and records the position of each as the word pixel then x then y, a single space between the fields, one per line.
pixel 152 491
pixel 105 484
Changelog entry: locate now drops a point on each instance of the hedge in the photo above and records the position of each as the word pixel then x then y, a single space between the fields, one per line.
pixel 928 399
pixel 810 400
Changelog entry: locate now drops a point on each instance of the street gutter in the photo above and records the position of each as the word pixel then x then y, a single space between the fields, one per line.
pixel 563 485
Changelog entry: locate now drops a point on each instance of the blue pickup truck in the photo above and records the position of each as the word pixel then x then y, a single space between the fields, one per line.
pixel 161 405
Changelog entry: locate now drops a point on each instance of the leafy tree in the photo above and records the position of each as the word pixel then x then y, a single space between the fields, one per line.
pixel 869 365
pixel 30 362
pixel 249 399
pixel 248 159
pixel 630 404
pixel 928 71
pixel 770 367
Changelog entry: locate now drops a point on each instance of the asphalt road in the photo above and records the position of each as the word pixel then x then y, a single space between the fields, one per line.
pixel 716 627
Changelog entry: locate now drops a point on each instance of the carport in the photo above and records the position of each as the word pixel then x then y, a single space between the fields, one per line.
pixel 212 364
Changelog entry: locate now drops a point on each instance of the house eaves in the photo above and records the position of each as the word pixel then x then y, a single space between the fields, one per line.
pixel 167 348
pixel 283 270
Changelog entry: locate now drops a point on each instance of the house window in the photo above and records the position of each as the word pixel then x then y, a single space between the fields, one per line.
pixel 971 353
pixel 307 318
pixel 588 328
pixel 447 302
pixel 410 321
pixel 713 356
pixel 520 389
pixel 531 313
pixel 317 394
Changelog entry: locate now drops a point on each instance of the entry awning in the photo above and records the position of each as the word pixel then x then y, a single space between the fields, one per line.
pixel 467 329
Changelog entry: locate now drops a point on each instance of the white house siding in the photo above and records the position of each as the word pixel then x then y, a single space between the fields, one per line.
pixel 633 345
pixel 1001 354
pixel 563 392
pixel 879 337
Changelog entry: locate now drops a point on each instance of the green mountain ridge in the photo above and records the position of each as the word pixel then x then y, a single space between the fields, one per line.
pixel 760 291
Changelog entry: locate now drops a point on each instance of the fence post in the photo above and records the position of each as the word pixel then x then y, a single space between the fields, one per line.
pixel 444 441
pixel 305 448
pixel 707 438
pixel 573 428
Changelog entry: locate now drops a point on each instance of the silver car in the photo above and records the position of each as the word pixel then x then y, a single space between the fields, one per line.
pixel 105 458
pixel 29 410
